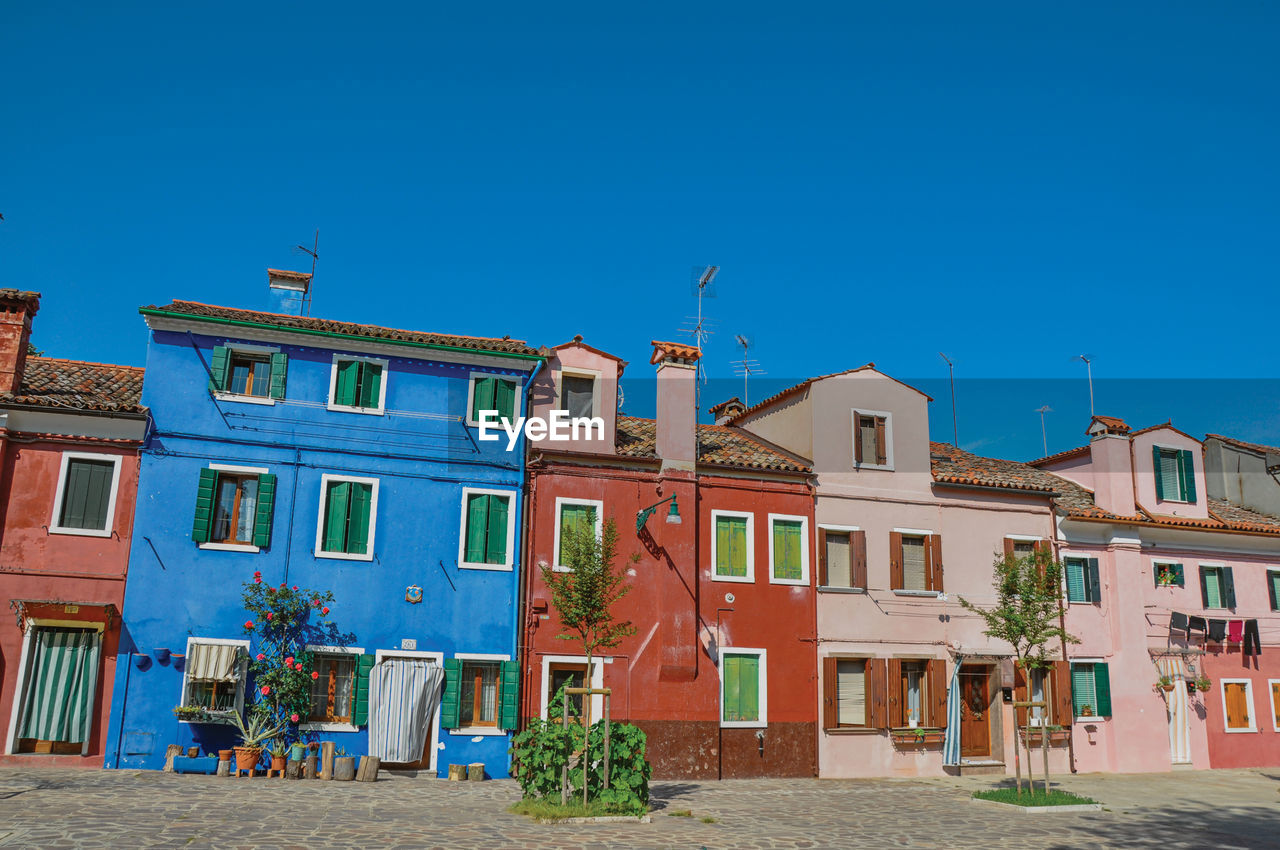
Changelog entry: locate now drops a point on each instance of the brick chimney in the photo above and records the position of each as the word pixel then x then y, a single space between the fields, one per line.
pixel 677 415
pixel 1111 460
pixel 17 309
pixel 288 291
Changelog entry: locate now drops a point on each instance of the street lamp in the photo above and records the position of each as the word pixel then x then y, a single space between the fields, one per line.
pixel 673 515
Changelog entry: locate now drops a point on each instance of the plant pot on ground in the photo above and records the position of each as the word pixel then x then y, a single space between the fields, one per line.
pixel 252 736
pixel 279 752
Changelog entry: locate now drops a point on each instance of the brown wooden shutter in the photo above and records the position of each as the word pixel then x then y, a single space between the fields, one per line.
pixel 1061 686
pixel 882 450
pixel 857 438
pixel 830 707
pixel 895 560
pixel 1020 693
pixel 1008 547
pixel 822 557
pixel 877 694
pixel 858 555
pixel 894 690
pixel 935 562
pixel 937 675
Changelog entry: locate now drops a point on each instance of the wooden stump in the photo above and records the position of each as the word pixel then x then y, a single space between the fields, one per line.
pixel 344 768
pixel 326 759
pixel 475 772
pixel 293 769
pixel 309 767
pixel 457 772
pixel 368 771
pixel 224 767
pixel 170 752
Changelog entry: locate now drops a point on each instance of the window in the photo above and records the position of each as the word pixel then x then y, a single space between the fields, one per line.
pixel 492 392
pixel 912 686
pixel 851 691
pixel 577 394
pixel 234 507
pixel 1167 574
pixel 85 501
pixel 214 674
pixel 1237 705
pixel 479 698
pixel 743 700
pixel 348 515
pixel 331 693
pixel 732 552
pixel 1024 548
pixel 575 516
pixel 1038 681
pixel 1083 583
pixel 248 372
pixel 788 549
pixel 1274 687
pixel 872 442
pixel 842 557
pixel 915 561
pixel 1175 475
pixel 356 384
pixel 1091 689
pixel 564 675
pixel 1217 587
pixel 488 535
pixel 1273 589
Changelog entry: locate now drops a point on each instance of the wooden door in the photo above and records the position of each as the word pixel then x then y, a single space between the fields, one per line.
pixel 975 719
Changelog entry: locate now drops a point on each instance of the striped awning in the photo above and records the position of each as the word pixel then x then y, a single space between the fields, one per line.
pixel 213 662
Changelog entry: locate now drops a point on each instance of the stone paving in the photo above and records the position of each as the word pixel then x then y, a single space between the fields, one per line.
pixel 76 808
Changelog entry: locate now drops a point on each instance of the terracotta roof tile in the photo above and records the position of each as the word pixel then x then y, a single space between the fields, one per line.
pixel 716 408
pixel 1054 458
pixel 952 465
pixel 678 350
pixel 1113 423
pixel 720 445
pixel 285 274
pixel 1259 448
pixel 32 299
pixel 77 385
pixel 506 345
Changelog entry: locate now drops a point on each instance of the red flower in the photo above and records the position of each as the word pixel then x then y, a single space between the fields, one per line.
pixel 257 573
pixel 257 580
pixel 261 657
pixel 282 585
pixel 270 616
pixel 266 689
pixel 315 602
pixel 314 675
pixel 271 590
pixel 298 667
pixel 288 662
pixel 295 587
pixel 325 611
pixel 293 717
pixel 248 625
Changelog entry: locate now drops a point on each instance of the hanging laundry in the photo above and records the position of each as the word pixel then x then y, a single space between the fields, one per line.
pixel 1251 634
pixel 1217 630
pixel 1196 624
pixel 1235 631
pixel 1177 622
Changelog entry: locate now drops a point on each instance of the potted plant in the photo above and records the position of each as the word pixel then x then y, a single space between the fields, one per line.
pixel 1086 710
pixel 252 736
pixel 278 751
pixel 1203 684
pixel 298 751
pixel 1165 683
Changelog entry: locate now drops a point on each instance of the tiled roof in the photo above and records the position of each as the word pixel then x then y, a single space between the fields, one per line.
pixel 952 465
pixel 194 310
pixel 1113 423
pixel 77 385
pixel 719 445
pixel 716 408
pixel 1253 447
pixel 678 350
pixel 1243 519
pixel 1054 458
pixel 32 299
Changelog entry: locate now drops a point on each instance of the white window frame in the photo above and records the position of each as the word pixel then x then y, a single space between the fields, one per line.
pixel 1222 590
pixel 1271 683
pixel 237 470
pixel 67 457
pixel 244 669
pixel 484 731
pixel 762 684
pixel 1157 563
pixel 803 581
pixel 381 409
pixel 842 529
pixel 509 565
pixel 1156 472
pixel 565 500
pixel 325 480
pixel 518 410
pixel 1248 695
pixel 597 680
pixel 574 372
pixel 750 577
pixel 245 348
pixel 888 438
pixel 328 725
pixel 381 655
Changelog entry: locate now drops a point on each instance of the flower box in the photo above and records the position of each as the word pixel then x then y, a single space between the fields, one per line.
pixel 1033 736
pixel 908 737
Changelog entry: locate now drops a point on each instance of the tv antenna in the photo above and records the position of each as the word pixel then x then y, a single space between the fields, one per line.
pixel 746 367
pixel 1088 365
pixel 1044 436
pixel 955 423
pixel 315 255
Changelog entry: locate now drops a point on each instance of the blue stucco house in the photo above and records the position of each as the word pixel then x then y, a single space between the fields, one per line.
pixel 333 456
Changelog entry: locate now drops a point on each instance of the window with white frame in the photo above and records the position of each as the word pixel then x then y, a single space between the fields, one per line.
pixel 732 546
pixel 358 384
pixel 348 517
pixel 498 393
pixel 1237 705
pixel 1091 688
pixel 872 439
pixel 85 501
pixel 1217 586
pixel 788 549
pixel 575 517
pixel 480 693
pixel 1273 685
pixel 213 676
pixel 252 373
pixel 578 392
pixel 743 688
pixel 1175 474
pixel 333 686
pixel 487 536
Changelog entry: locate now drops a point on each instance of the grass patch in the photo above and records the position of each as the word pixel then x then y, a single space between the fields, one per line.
pixel 548 810
pixel 709 819
pixel 680 813
pixel 1036 798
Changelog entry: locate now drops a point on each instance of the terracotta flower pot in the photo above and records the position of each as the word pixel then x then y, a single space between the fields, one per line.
pixel 225 755
pixel 277 762
pixel 247 758
pixel 1167 688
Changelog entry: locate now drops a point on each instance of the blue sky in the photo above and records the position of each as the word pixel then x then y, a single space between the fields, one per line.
pixel 1011 183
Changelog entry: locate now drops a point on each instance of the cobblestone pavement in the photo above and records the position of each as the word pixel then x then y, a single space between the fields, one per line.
pixel 73 808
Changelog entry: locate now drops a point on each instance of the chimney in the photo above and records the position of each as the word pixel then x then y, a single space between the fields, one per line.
pixel 677 393
pixel 289 291
pixel 726 410
pixel 17 309
pixel 1111 461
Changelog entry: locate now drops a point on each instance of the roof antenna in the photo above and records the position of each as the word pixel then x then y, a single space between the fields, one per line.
pixel 703 287
pixel 746 367
pixel 955 423
pixel 315 255
pixel 1044 435
pixel 1088 365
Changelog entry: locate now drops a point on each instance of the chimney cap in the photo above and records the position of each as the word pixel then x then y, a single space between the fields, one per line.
pixel 288 279
pixel 30 299
pixel 675 351
pixel 1107 425
pixel 730 407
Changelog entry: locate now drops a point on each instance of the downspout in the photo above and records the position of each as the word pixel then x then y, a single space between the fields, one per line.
pixel 1062 624
pixel 522 582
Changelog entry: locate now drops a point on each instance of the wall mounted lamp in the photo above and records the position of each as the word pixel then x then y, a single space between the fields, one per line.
pixel 673 515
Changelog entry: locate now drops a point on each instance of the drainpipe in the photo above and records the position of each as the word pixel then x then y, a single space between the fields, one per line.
pixel 1062 624
pixel 528 488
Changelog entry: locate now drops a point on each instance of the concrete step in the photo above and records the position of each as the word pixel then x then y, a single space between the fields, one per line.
pixel 978 768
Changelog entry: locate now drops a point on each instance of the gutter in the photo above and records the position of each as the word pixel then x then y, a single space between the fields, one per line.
pixel 167 314
pixel 526 549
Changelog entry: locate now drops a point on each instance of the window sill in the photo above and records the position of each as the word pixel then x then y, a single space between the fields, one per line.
pixel 367 411
pixel 852 730
pixel 878 467
pixel 244 399
pixel 341 556
pixel 792 582
pixel 1239 731
pixel 1092 718
pixel 81 532
pixel 230 547
pixel 922 594
pixel 1081 602
pixel 733 579
pixel 473 731
pixel 824 588
pixel 493 568
pixel 326 726
pixel 743 724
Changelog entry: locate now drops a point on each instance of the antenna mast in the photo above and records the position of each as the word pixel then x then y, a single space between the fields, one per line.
pixel 955 423
pixel 1044 437
pixel 1088 365
pixel 315 255
pixel 746 367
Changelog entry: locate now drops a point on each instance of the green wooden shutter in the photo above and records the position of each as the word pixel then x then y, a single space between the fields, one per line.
pixel 495 549
pixel 264 511
pixel 1273 579
pixel 1095 581
pixel 1187 475
pixel 1204 587
pixel 279 373
pixel 724 562
pixel 504 398
pixel 1228 588
pixel 344 389
pixel 481 397
pixel 477 519
pixel 731 697
pixel 360 691
pixel 370 384
pixel 1082 688
pixel 1102 688
pixel 786 550
pixel 204 506
pixel 738 546
pixel 1155 465
pixel 451 699
pixel 1178 575
pixel 509 709
pixel 358 527
pixel 218 366
pixel 1075 579
pixel 86 494
pixel 335 516
pixel 749 687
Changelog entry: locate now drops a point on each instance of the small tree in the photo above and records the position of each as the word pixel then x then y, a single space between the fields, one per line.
pixel 584 597
pixel 1026 615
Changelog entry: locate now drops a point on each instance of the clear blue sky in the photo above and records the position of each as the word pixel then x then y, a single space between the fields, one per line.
pixel 1011 183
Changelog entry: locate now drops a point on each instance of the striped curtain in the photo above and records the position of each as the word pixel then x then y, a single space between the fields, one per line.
pixel 951 740
pixel 213 662
pixel 59 701
pixel 403 692
pixel 1176 701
